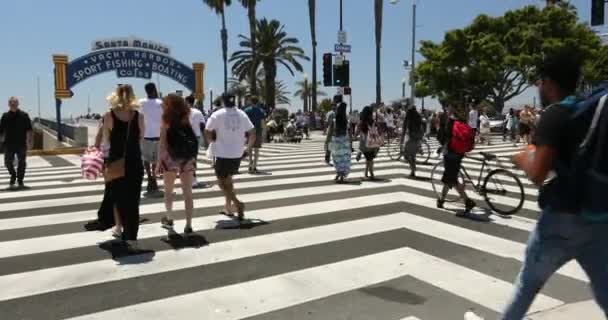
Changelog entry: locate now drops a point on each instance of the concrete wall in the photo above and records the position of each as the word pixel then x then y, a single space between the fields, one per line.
pixel 49 138
pixel 74 135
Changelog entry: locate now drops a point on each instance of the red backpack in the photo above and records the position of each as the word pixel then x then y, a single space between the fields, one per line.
pixel 463 138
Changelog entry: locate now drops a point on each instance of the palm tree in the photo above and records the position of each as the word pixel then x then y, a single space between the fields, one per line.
pixel 281 95
pixel 306 90
pixel 273 47
pixel 239 89
pixel 378 6
pixel 219 7
pixel 313 33
pixel 250 5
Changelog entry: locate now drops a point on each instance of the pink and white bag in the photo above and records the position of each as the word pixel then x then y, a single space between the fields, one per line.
pixel 91 163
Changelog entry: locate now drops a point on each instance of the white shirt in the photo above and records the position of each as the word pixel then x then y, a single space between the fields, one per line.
pixel 473 116
pixel 390 121
pixel 330 116
pixel 230 125
pixel 485 123
pixel 196 119
pixel 153 112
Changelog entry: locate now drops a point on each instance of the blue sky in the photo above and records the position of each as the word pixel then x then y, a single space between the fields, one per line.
pixel 32 30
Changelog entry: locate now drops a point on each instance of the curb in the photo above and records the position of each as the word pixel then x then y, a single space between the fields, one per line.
pixel 56 152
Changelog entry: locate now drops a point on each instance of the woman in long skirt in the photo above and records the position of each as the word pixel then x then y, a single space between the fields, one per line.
pixel 340 144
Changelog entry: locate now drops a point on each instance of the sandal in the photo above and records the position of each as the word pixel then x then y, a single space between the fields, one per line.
pixel 241 210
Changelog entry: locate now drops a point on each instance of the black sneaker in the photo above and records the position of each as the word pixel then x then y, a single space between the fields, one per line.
pixel 188 231
pixel 166 222
pixel 22 186
pixel 440 203
pixel 469 205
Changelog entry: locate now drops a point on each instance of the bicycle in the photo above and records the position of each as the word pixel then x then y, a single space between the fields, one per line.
pixel 501 189
pixel 396 149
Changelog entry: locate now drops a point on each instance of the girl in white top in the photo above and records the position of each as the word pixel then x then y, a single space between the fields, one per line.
pixel 484 130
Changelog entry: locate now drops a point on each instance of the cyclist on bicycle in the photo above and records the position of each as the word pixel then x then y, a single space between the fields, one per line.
pixel 413 126
pixel 455 130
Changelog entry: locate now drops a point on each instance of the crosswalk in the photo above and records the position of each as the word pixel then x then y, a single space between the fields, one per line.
pixel 312 249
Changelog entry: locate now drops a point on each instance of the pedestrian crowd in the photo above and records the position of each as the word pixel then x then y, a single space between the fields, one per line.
pixel 566 159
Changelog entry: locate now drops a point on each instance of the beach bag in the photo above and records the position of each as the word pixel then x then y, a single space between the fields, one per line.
pixel 91 163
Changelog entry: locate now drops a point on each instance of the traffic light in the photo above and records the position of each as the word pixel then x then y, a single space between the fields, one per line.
pixel 342 74
pixel 597 12
pixel 347 91
pixel 327 70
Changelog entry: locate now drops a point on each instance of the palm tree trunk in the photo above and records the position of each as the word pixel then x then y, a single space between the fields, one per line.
pixel 270 70
pixel 313 32
pixel 252 22
pixel 378 6
pixel 224 35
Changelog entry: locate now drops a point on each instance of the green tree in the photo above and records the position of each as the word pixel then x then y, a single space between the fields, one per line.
pixel 250 5
pixel 378 9
pixel 274 48
pixel 312 14
pixel 596 69
pixel 496 58
pixel 325 107
pixel 306 89
pixel 219 6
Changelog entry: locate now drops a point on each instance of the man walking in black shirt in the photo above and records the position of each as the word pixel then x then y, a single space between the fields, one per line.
pixel 16 135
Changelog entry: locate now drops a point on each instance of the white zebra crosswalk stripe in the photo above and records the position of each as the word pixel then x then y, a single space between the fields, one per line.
pixel 235 302
pixel 382 227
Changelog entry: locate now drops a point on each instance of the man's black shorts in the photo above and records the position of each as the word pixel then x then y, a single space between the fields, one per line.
pixel 225 168
pixel 452 163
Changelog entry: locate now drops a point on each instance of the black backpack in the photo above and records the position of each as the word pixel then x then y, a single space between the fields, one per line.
pixel 182 143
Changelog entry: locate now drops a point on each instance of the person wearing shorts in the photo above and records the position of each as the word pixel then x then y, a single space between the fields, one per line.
pixel 227 128
pixel 197 121
pixel 257 116
pixel 151 109
pixel 176 115
pixel 452 162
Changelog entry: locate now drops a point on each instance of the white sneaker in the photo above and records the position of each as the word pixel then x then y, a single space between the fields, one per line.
pixel 470 315
pixel 194 183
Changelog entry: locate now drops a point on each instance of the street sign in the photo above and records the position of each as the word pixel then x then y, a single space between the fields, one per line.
pixel 342 37
pixel 339 60
pixel 342 48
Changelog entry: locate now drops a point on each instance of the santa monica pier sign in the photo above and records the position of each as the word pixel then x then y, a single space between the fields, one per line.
pixel 130 58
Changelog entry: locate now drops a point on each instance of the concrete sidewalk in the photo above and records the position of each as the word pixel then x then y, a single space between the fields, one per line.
pixel 586 310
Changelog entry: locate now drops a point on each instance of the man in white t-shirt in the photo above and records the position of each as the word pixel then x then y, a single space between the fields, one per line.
pixel 230 126
pixel 197 120
pixel 151 109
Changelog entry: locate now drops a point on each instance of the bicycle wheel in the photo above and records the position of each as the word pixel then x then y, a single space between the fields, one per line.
pixel 424 152
pixel 503 192
pixel 436 175
pixel 393 147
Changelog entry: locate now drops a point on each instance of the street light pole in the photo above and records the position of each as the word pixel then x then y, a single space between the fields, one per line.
pixel 340 15
pixel 413 67
pixel 210 99
pixel 305 100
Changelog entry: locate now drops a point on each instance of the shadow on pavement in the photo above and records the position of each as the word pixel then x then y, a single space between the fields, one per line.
pixel 121 254
pixel 234 224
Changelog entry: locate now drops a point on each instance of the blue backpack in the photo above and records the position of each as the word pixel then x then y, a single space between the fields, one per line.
pixel 588 175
